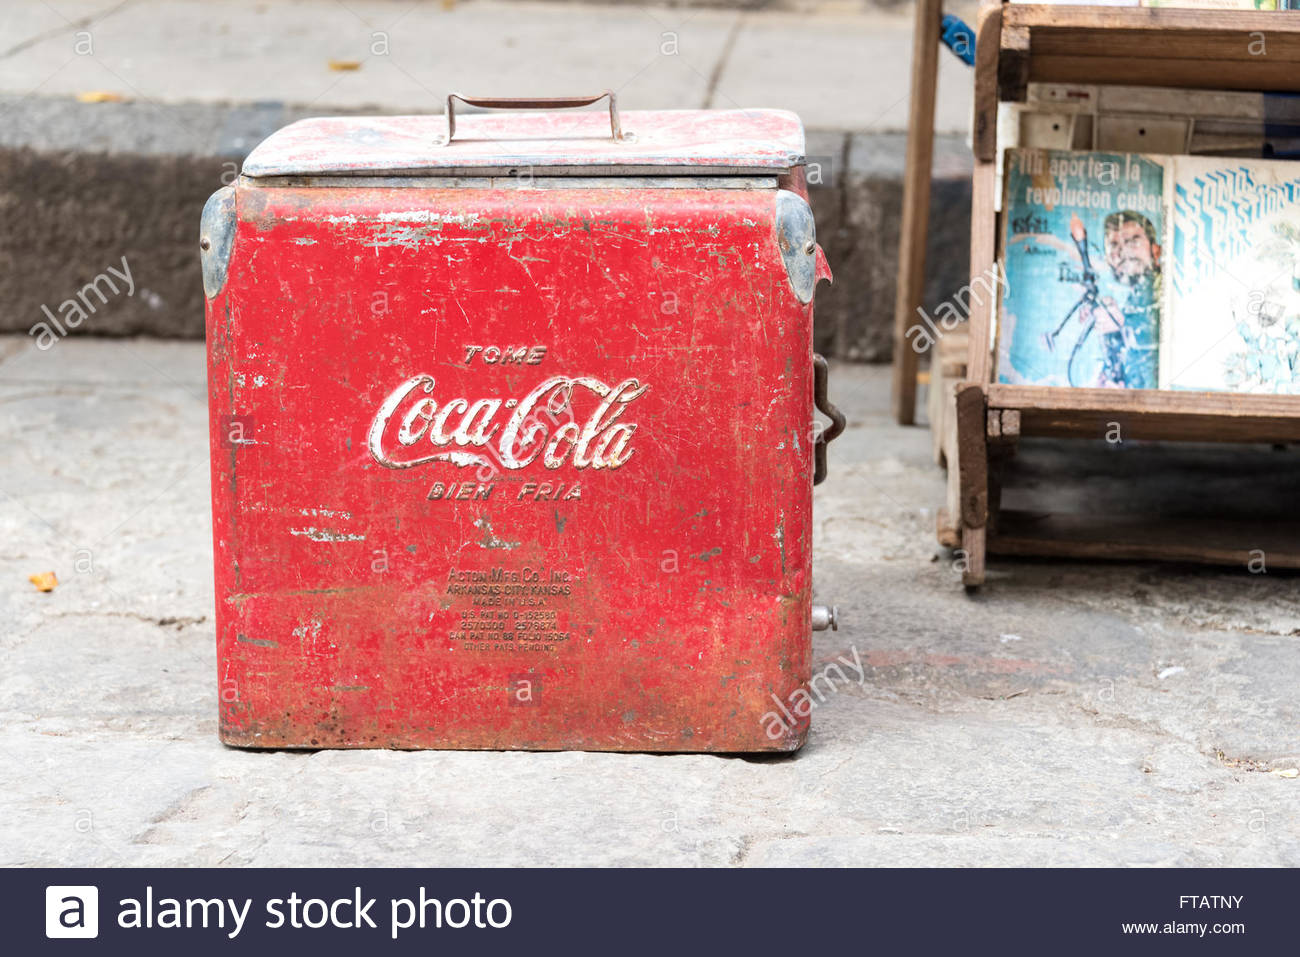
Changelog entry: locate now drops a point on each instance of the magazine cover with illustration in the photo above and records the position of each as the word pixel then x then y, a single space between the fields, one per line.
pixel 1235 261
pixel 1082 249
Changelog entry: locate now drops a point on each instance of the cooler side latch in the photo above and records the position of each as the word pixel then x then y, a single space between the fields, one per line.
pixel 821 384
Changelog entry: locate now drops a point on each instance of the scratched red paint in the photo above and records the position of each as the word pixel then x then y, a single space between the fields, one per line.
pixel 630 569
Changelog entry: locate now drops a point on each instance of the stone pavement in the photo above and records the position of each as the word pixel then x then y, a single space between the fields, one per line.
pixel 174 93
pixel 1069 714
pixel 839 69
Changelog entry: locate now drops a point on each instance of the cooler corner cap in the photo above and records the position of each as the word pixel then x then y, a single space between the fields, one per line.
pixel 796 236
pixel 216 238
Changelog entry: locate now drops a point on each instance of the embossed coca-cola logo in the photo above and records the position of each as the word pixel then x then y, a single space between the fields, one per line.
pixel 565 419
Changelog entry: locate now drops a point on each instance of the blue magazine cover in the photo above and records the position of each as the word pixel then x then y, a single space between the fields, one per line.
pixel 1083 284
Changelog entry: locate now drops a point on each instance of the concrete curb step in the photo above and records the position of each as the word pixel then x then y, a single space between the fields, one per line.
pixel 84 184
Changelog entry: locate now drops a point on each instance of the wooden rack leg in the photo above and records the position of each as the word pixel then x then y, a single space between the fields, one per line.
pixel 972 479
pixel 972 491
pixel 916 204
pixel 973 543
pixel 944 424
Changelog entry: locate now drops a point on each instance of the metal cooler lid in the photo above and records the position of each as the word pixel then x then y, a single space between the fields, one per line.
pixel 687 141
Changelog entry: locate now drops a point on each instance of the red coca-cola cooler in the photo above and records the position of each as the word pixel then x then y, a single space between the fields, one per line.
pixel 512 431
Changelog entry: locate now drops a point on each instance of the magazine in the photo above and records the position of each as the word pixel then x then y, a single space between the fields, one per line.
pixel 1234 299
pixel 1082 264
pixel 1087 243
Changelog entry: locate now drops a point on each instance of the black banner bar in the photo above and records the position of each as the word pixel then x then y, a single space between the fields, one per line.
pixel 256 911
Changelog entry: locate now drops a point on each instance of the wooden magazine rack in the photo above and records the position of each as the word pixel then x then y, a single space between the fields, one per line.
pixel 1132 46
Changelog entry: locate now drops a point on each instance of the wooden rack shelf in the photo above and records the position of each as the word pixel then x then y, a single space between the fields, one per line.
pixel 982 421
pixel 1150 414
pixel 1134 538
pixel 1145 46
